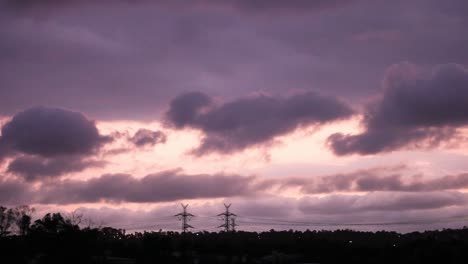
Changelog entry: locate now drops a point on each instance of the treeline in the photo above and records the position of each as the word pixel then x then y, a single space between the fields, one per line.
pixel 58 239
pixel 15 220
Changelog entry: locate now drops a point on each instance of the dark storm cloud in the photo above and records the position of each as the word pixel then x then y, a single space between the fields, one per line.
pixel 160 187
pixel 144 137
pixel 250 121
pixel 411 111
pixel 33 168
pixel 51 132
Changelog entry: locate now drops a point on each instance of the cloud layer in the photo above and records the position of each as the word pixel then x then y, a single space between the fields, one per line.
pixel 217 47
pixel 254 5
pixel 383 201
pixel 373 180
pixel 251 121
pixel 160 187
pixel 174 185
pixel 33 168
pixel 416 201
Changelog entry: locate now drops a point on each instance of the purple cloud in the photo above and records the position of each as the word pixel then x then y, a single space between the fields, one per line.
pixel 145 137
pixel 228 51
pixel 372 180
pixel 254 5
pixel 49 142
pixel 51 132
pixel 411 111
pixel 160 187
pixel 14 192
pixel 381 201
pixel 185 109
pixel 33 168
pixel 251 121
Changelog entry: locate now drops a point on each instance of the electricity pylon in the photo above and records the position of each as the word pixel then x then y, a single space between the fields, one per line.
pixel 228 218
pixel 184 217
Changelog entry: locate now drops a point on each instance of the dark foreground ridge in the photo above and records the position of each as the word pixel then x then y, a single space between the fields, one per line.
pixel 58 239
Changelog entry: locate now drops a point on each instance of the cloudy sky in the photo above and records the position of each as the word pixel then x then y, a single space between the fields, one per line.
pixel 302 114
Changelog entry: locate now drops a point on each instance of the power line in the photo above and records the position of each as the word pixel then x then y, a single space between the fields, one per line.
pixel 295 223
pixel 231 221
pixel 165 218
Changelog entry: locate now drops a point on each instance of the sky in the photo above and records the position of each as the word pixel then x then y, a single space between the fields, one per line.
pixel 302 114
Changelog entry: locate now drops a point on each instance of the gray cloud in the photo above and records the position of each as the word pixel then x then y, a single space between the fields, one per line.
pixel 144 137
pixel 411 111
pixel 250 121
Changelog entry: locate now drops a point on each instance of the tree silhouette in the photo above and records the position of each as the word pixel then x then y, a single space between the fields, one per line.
pixel 7 218
pixel 53 223
pixel 23 217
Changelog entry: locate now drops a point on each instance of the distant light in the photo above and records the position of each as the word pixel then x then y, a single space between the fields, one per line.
pixel 350 241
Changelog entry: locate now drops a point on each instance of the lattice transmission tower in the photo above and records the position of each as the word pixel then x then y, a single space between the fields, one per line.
pixel 184 216
pixel 229 219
